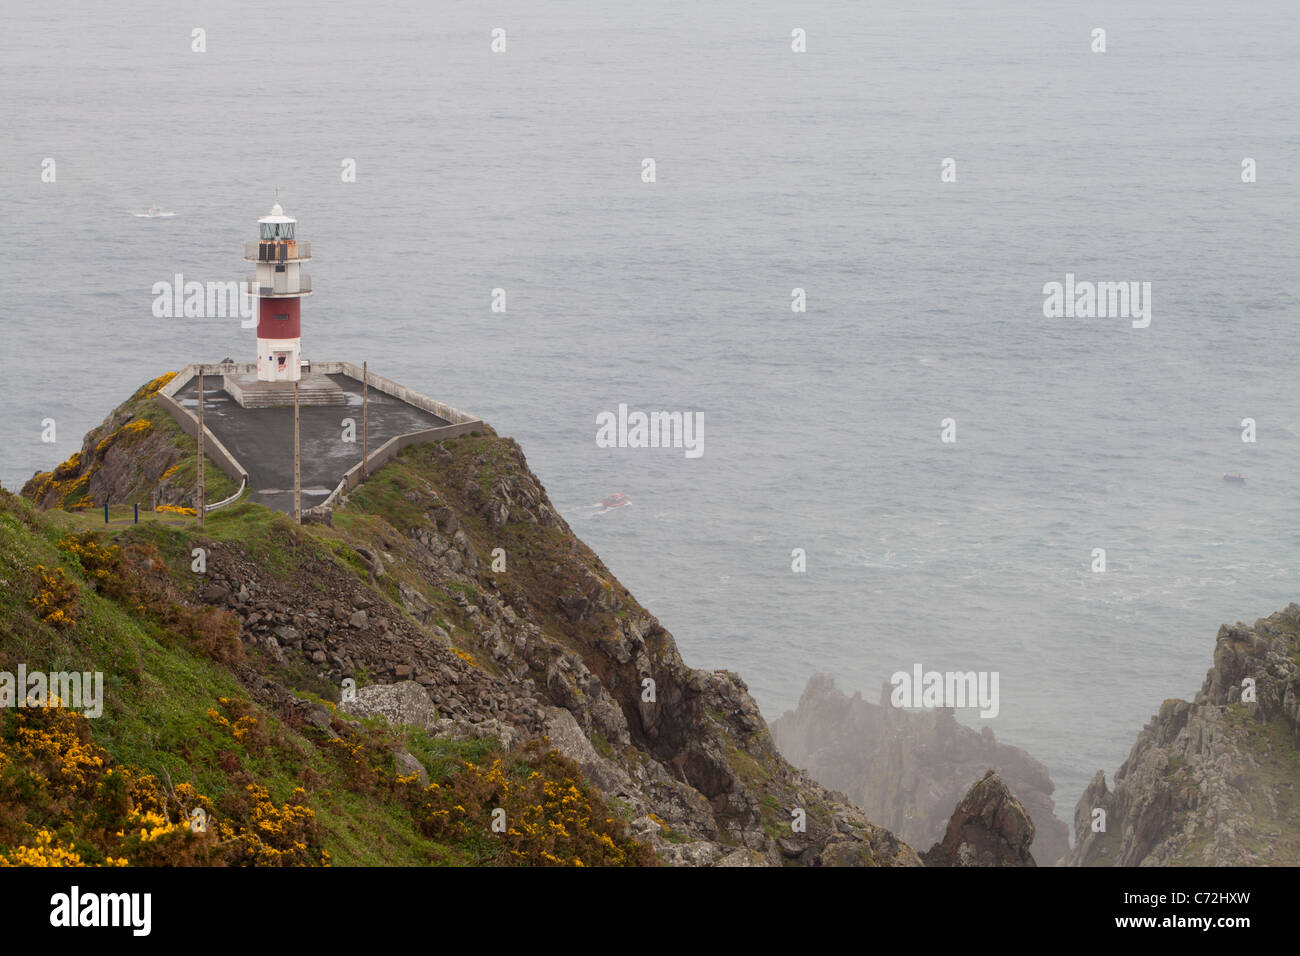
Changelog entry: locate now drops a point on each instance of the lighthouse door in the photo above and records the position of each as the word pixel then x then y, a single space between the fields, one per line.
pixel 281 365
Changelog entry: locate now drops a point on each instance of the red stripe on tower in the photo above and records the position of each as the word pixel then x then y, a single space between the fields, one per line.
pixel 279 318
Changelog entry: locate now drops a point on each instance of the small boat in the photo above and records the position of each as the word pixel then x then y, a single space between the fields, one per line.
pixel 616 501
pixel 1237 479
pixel 154 212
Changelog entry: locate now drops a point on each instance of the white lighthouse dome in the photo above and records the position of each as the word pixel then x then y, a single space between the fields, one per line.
pixel 277 215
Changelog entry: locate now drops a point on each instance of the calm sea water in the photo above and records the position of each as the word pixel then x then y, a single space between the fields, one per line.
pixel 774 171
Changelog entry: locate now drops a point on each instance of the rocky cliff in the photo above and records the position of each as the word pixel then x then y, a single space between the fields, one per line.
pixel 1214 781
pixel 557 647
pixel 138 455
pixel 990 827
pixel 464 609
pixel 908 770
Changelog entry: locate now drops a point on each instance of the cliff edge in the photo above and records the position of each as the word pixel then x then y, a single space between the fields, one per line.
pixel 1215 781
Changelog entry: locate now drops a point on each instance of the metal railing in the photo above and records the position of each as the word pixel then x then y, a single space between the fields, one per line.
pixel 276 250
pixel 243 483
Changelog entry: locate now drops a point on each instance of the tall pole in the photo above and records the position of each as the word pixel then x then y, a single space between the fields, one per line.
pixel 365 417
pixel 201 451
pixel 297 474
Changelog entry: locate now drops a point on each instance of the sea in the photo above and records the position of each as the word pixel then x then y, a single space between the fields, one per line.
pixel 429 170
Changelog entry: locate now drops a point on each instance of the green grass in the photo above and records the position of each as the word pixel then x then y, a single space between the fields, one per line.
pixel 384 494
pixel 360 832
pixel 602 745
pixel 271 537
pixel 455 587
pixel 442 757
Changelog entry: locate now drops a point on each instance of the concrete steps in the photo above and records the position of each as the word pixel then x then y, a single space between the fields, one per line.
pixel 312 390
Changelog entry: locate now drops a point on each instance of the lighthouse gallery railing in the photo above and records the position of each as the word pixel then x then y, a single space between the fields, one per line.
pixel 265 250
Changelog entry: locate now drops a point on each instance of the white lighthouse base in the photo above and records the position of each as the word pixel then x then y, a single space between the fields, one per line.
pixel 279 360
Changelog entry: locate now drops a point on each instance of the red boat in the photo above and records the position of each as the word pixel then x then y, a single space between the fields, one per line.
pixel 616 501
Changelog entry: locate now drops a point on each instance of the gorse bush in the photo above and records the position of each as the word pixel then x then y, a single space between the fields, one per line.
pixel 551 817
pixel 68 468
pixel 64 803
pixel 245 728
pixel 97 561
pixel 68 481
pixel 128 433
pixel 151 388
pixel 56 597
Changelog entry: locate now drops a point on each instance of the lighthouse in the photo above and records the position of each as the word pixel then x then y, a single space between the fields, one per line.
pixel 280 284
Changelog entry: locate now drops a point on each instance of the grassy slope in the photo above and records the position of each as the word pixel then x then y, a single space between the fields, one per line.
pixel 157 697
pixel 159 691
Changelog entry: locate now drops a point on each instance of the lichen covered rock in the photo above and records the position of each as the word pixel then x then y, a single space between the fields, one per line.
pixel 1214 781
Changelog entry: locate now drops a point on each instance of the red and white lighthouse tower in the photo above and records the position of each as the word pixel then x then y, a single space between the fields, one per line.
pixel 280 284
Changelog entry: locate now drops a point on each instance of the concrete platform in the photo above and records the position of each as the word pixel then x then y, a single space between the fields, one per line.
pixel 314 389
pixel 262 438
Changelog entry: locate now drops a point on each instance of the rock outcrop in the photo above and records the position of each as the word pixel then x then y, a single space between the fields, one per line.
pixel 990 827
pixel 1215 781
pixel 138 454
pixel 908 769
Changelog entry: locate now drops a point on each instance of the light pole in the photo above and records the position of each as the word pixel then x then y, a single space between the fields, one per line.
pixel 201 450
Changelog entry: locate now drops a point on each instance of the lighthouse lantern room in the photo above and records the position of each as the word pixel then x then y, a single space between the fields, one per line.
pixel 280 284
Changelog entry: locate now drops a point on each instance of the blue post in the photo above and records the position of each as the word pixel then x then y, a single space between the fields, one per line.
pixel 105 512
pixel 137 512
